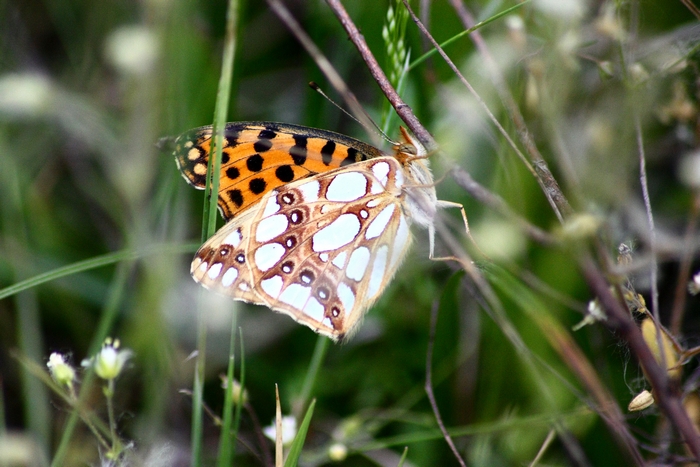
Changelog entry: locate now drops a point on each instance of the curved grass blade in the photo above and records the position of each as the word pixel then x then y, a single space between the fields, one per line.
pixel 93 263
pixel 209 216
pixel 298 443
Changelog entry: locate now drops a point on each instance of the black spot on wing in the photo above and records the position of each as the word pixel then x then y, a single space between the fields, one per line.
pixel 285 173
pixel 327 152
pixel 233 173
pixel 236 196
pixel 298 151
pixel 257 185
pixel 353 156
pixel 262 145
pixel 254 163
pixel 267 133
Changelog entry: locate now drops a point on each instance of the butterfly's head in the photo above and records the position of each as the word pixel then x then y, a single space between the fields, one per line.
pixel 408 148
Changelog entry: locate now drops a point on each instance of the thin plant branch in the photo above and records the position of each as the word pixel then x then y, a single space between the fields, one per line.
pixel 279 447
pixel 538 168
pixel 693 9
pixel 653 267
pixel 429 385
pixel 545 445
pixel 321 61
pixel 666 395
pixel 262 441
pixel 402 109
pixel 650 219
pixel 547 180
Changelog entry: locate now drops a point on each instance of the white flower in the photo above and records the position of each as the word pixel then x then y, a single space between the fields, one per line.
pixel 132 49
pixel 289 430
pixel 238 394
pixel 60 370
pixel 337 452
pixel 694 285
pixel 595 313
pixel 109 362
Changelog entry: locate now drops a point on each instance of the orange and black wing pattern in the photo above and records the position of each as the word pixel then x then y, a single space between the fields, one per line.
pixel 258 157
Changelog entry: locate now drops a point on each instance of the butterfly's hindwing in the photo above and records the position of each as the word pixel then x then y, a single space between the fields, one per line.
pixel 320 250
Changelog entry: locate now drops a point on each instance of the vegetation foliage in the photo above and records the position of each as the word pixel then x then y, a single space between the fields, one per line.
pixel 571 141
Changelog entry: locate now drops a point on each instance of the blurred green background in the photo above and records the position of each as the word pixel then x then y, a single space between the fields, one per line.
pixel 88 88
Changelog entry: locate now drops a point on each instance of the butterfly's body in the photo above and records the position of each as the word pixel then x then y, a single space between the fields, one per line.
pixel 325 236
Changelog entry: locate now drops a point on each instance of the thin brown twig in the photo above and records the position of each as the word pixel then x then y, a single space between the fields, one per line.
pixel 279 448
pixel 402 109
pixel 671 404
pixel 323 63
pixel 538 167
pixel 666 395
pixel 605 404
pixel 693 9
pixel 545 177
pixel 650 220
pixel 262 441
pixel 545 445
pixel 429 385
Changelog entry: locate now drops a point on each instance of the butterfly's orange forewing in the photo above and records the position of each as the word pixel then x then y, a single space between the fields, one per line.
pixel 261 156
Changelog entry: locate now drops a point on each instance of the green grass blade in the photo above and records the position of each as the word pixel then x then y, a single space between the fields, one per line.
pixel 403 457
pixel 311 375
pixel 209 216
pixel 227 440
pixel 241 377
pixel 457 37
pixel 220 115
pixel 93 263
pixel 298 443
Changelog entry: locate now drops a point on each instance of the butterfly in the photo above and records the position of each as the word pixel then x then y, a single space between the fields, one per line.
pixel 317 223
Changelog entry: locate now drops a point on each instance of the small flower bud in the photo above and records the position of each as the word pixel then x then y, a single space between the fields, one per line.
pixel 109 362
pixel 694 285
pixel 338 452
pixel 237 393
pixel 641 401
pixel 289 430
pixel 595 314
pixel 60 370
pixel 580 227
pixel 668 352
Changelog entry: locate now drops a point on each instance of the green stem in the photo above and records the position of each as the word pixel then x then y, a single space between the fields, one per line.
pixel 109 393
pixel 311 376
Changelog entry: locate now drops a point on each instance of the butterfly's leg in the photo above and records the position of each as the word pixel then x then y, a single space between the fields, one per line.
pixel 431 231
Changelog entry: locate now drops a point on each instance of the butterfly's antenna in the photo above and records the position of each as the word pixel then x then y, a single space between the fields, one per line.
pixel 373 127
